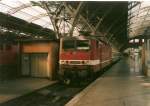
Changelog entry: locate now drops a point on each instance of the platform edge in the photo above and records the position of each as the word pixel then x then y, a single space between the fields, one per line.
pixel 77 97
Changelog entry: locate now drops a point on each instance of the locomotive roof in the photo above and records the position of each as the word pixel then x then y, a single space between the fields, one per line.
pixel 75 38
pixel 81 37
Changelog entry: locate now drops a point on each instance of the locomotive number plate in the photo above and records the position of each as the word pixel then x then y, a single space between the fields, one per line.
pixel 75 62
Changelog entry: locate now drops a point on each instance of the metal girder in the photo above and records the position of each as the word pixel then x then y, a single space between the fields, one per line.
pixel 142 25
pixel 15 24
pixel 16 9
pixel 135 4
pixel 110 27
pixel 89 17
pixel 112 38
pixel 37 17
pixel 145 24
pixel 146 16
pixel 56 17
pixel 51 18
pixel 138 11
pixel 139 31
pixel 85 21
pixel 76 16
pixel 98 24
pixel 100 21
pixel 90 26
pixel 116 32
pixel 71 12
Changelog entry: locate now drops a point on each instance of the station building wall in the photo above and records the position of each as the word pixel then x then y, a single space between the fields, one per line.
pixel 39 59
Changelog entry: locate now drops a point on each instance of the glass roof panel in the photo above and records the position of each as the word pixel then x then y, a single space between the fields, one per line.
pixel 45 22
pixel 4 8
pixel 50 26
pixel 11 3
pixel 39 9
pixel 22 15
pixel 135 8
pixel 39 22
pixel 145 4
pixel 24 1
pixel 140 21
pixel 22 9
pixel 31 11
pixel 45 18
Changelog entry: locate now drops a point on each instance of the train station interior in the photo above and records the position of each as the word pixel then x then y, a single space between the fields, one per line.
pixel 74 53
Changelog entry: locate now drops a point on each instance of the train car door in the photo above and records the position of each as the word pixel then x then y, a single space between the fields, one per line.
pixel 39 65
pixel 25 61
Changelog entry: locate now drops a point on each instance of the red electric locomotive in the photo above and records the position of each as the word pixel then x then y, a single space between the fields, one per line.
pixel 81 57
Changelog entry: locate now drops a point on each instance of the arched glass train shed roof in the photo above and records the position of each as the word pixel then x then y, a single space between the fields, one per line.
pixel 50 19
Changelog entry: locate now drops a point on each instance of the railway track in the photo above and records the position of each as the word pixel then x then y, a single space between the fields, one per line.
pixel 53 95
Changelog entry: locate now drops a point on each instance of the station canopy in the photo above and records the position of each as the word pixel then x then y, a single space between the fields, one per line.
pixel 138 18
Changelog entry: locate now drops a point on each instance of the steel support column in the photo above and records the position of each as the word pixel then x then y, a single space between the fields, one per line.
pixel 146 53
pixel 52 19
pixel 76 17
pixel 147 57
pixel 72 11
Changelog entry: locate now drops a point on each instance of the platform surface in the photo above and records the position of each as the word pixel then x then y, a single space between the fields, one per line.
pixel 16 88
pixel 122 85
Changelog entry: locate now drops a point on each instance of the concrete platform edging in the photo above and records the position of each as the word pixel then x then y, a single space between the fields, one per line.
pixel 75 99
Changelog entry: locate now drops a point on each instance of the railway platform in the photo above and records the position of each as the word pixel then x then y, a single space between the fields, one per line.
pixel 121 85
pixel 15 88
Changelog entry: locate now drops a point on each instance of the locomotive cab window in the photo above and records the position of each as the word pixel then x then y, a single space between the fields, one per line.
pixel 68 44
pixel 82 45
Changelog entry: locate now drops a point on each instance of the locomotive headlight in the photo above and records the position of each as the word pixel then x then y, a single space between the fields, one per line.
pixel 66 62
pixel 62 62
pixel 83 62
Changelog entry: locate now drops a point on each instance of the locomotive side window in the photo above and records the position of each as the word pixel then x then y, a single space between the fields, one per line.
pixel 68 44
pixel 82 45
